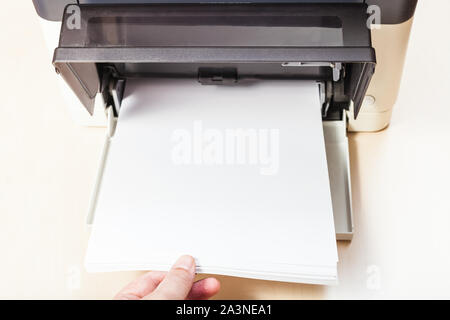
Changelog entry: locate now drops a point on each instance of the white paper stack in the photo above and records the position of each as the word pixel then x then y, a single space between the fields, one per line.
pixel 234 176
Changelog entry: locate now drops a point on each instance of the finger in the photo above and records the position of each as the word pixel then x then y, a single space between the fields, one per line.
pixel 178 282
pixel 204 289
pixel 142 286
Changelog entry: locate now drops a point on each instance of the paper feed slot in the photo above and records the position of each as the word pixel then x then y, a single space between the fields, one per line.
pixel 219 44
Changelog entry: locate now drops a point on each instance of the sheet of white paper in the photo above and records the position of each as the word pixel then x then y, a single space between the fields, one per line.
pixel 235 176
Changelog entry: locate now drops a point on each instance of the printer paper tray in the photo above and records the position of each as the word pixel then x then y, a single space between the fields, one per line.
pixel 337 150
pixel 336 142
pixel 220 172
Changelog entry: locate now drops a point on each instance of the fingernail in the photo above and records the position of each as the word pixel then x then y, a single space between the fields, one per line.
pixel 185 262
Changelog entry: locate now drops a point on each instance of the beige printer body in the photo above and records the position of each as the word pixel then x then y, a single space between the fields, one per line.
pixel 390 43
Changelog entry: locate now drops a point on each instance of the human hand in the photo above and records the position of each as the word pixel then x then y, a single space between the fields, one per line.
pixel 177 284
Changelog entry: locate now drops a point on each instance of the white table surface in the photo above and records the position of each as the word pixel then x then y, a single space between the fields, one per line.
pixel 400 176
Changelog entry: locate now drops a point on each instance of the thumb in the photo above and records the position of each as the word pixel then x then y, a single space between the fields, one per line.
pixel 177 283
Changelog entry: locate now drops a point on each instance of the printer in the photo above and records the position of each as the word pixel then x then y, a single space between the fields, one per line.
pixel 354 49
